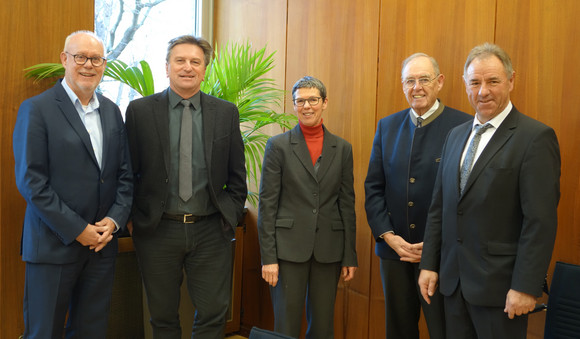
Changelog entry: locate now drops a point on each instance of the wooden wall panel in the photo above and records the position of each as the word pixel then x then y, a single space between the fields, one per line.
pixel 262 23
pixel 336 41
pixel 444 29
pixel 539 36
pixel 32 32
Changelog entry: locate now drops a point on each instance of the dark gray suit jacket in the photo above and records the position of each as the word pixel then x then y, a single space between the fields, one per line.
pixel 303 213
pixel 147 121
pixel 500 233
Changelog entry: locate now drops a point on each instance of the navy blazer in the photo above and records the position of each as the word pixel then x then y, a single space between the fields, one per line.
pixel 147 122
pixel 58 175
pixel 500 233
pixel 401 174
pixel 304 213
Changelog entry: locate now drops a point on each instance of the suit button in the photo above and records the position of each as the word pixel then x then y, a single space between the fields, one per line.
pixel 412 180
pixel 411 204
pixel 314 211
pixel 412 226
pixel 102 181
pixel 166 180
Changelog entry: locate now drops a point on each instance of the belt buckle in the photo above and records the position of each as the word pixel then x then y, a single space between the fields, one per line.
pixel 190 221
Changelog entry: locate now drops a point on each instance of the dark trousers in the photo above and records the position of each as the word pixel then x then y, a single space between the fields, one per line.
pixel 202 251
pixel 403 302
pixel 467 321
pixel 313 282
pixel 82 288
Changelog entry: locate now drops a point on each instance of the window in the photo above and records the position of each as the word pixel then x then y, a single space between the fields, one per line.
pixel 135 30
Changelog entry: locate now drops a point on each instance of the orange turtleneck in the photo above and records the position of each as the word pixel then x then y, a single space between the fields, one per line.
pixel 314 137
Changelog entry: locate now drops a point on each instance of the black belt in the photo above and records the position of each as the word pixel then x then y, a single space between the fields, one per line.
pixel 184 218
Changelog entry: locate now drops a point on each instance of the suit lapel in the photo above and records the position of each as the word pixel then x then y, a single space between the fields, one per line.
pixel 497 141
pixel 328 153
pixel 160 112
pixel 70 112
pixel 300 149
pixel 208 116
pixel 458 145
pixel 106 128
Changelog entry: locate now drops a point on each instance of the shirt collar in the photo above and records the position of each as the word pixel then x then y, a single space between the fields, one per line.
pixel 498 119
pixel 427 114
pixel 175 99
pixel 93 103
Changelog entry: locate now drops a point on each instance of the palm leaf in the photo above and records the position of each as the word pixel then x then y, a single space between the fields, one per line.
pixel 141 80
pixel 237 74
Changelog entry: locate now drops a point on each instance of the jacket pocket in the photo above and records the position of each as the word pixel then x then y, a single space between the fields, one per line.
pixel 500 248
pixel 337 226
pixel 284 223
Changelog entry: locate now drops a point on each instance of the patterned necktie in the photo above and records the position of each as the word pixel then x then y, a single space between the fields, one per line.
pixel 470 155
pixel 185 152
pixel 419 122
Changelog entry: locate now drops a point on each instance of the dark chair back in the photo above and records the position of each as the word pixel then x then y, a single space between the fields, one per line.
pixel 563 315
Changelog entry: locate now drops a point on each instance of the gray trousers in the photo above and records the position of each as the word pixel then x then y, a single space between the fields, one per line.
pixel 205 255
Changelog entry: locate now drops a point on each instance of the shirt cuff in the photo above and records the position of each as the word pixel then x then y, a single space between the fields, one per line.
pixel 116 225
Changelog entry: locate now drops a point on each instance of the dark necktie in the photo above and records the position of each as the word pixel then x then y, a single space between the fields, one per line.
pixel 470 155
pixel 419 122
pixel 185 151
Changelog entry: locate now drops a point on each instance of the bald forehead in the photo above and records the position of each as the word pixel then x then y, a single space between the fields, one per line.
pixel 420 64
pixel 83 40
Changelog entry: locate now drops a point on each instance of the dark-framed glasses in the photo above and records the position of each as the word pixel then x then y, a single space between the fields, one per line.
pixel 82 59
pixel 423 81
pixel 313 101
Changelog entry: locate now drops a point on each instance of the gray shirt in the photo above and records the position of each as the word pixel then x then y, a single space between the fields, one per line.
pixel 200 202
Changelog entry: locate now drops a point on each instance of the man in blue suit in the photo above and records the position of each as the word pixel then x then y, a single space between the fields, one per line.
pixel 73 170
pixel 399 184
pixel 492 222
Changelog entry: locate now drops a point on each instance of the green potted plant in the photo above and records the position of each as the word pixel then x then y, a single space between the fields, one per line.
pixel 236 74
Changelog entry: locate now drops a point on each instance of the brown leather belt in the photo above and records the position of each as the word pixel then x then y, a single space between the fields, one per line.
pixel 184 218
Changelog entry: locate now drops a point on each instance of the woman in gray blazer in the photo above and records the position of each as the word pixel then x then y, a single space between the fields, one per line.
pixel 306 221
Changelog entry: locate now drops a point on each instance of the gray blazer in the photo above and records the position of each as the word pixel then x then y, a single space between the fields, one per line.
pixel 303 212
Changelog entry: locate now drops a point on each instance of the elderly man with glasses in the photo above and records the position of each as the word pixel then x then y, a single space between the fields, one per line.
pixel 401 175
pixel 72 168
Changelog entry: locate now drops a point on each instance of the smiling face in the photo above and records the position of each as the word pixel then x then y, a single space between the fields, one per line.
pixel 421 97
pixel 186 69
pixel 82 79
pixel 488 87
pixel 309 115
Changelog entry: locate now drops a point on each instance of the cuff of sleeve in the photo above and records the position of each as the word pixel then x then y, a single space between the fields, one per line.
pixel 116 225
pixel 382 236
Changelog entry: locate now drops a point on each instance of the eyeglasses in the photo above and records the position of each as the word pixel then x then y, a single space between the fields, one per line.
pixel 424 81
pixel 313 101
pixel 82 59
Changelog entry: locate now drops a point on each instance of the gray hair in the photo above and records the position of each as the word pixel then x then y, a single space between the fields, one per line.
pixel 487 50
pixel 310 82
pixel 418 55
pixel 190 39
pixel 92 34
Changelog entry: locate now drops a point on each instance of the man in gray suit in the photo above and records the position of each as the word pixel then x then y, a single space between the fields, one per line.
pixel 306 221
pixel 190 187
pixel 492 222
